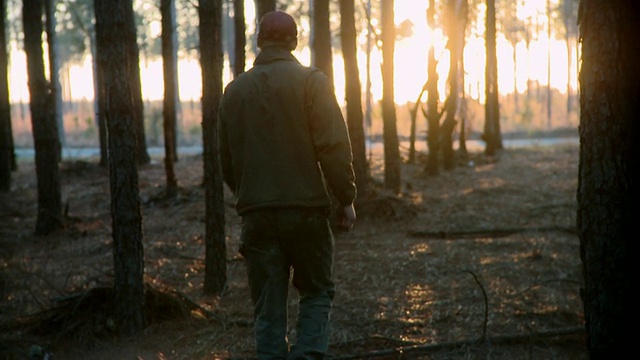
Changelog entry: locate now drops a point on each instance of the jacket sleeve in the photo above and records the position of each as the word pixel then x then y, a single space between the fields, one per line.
pixel 225 153
pixel 330 138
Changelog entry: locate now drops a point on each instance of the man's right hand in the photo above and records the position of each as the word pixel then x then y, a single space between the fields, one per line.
pixel 346 216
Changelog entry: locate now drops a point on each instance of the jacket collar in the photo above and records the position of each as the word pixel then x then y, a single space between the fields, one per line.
pixel 273 53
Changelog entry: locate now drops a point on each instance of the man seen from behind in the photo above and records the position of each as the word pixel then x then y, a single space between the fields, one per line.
pixel 283 146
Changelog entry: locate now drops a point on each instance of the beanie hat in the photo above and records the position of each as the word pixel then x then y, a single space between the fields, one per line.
pixel 277 27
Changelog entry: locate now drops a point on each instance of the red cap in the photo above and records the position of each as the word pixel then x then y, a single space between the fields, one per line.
pixel 278 27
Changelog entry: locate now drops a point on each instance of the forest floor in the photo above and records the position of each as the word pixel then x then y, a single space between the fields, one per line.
pixel 481 262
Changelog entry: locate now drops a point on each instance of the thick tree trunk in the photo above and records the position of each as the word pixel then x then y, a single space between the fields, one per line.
pixel 112 32
pixel 392 175
pixel 215 276
pixel 353 94
pixel 45 132
pixel 6 133
pixel 170 100
pixel 608 191
pixel 321 53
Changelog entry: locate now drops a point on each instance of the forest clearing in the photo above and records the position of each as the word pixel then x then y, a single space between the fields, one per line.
pixel 479 262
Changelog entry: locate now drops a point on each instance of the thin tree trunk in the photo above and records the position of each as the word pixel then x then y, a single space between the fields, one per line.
pixel 54 70
pixel 45 132
pixel 432 115
pixel 569 92
pixel 98 101
pixel 412 133
pixel 263 7
pixel 515 78
pixel 134 74
pixel 608 191
pixel 392 175
pixel 321 54
pixel 170 100
pixel 368 108
pixel 462 140
pixel 240 38
pixel 455 27
pixel 102 118
pixel 353 94
pixel 549 94
pixel 6 133
pixel 112 33
pixel 215 276
pixel 491 111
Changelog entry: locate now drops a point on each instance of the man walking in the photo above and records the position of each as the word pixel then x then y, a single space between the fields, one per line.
pixel 283 145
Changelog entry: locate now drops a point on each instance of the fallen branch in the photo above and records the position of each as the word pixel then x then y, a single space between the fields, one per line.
pixel 427 348
pixel 486 303
pixel 490 233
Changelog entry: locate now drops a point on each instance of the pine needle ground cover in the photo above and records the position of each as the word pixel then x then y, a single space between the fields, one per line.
pixel 479 262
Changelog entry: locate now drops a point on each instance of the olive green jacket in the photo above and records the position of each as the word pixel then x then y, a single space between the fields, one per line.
pixel 282 134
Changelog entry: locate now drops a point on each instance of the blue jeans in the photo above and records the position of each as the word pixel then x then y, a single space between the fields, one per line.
pixel 274 242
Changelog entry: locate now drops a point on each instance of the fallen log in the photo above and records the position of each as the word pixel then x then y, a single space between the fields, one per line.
pixel 487 233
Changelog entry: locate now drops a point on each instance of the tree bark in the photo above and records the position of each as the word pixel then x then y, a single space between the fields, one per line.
pixel 45 132
pixel 353 94
pixel 215 276
pixel 263 7
pixel 432 115
pixel 608 191
pixel 491 133
pixel 6 134
pixel 136 86
pixel 54 70
pixel 240 39
pixel 170 100
pixel 392 175
pixel 114 61
pixel 455 23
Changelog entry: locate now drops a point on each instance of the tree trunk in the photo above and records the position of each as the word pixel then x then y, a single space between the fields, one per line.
pixel 353 94
pixel 433 118
pixel 103 135
pixel 516 105
pixel 45 132
pixel 455 21
pixel 321 54
pixel 263 7
pixel 215 276
pixel 549 94
pixel 240 39
pixel 6 134
pixel 569 92
pixel 170 100
pixel 112 33
pixel 392 175
pixel 462 140
pixel 54 70
pixel 608 191
pixel 368 106
pixel 491 110
pixel 134 74
pixel 412 132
